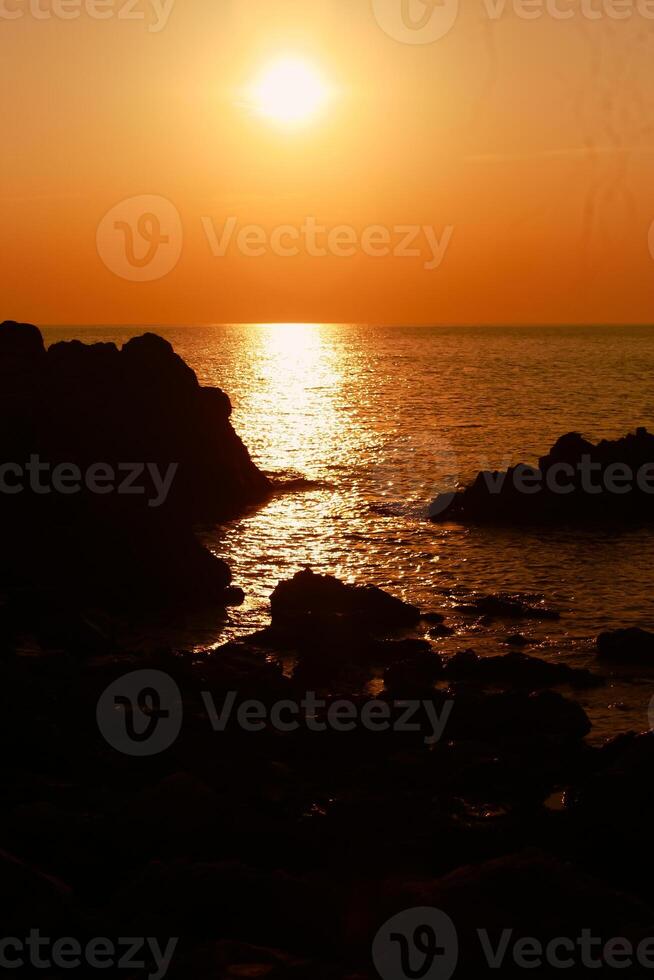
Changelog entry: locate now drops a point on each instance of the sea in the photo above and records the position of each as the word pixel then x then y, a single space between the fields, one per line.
pixel 383 419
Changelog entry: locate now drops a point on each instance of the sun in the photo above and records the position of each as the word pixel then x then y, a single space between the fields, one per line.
pixel 289 91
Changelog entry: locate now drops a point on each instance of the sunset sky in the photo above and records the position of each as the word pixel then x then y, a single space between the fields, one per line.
pixel 525 146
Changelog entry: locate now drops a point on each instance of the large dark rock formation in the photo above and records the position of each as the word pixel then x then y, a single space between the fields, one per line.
pixel 575 482
pixel 140 414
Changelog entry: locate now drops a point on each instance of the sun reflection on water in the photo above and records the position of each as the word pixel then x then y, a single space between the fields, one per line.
pixel 298 378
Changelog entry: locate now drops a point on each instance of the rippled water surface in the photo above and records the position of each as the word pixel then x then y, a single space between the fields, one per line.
pixel 385 418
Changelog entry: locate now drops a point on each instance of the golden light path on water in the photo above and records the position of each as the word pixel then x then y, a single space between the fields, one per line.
pixel 296 416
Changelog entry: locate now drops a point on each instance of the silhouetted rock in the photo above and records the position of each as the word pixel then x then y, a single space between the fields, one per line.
pixel 626 646
pixel 20 340
pixel 506 607
pixel 516 670
pixel 518 715
pixel 517 640
pixel 576 482
pixel 141 453
pixel 310 603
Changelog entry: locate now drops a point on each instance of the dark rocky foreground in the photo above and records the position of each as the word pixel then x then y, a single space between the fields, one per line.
pixel 194 802
pixel 577 482
pixel 131 412
pixel 281 853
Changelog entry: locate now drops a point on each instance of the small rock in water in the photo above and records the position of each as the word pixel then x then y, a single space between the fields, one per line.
pixel 626 646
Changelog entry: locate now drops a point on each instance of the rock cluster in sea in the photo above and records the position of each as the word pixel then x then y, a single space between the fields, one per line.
pixel 576 482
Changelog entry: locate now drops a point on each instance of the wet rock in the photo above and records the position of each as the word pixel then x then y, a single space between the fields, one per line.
pixel 517 640
pixel 434 618
pixel 516 670
pixel 515 715
pixel 503 606
pixel 440 630
pixel 310 603
pixel 626 646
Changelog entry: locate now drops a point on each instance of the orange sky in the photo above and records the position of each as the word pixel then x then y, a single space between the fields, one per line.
pixel 525 146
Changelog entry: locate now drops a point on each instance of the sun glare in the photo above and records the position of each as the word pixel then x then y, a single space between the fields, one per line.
pixel 289 91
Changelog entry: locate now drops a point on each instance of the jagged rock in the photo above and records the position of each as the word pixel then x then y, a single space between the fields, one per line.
pixel 141 413
pixel 517 715
pixel 20 340
pixel 576 482
pixel 626 646
pixel 516 670
pixel 310 603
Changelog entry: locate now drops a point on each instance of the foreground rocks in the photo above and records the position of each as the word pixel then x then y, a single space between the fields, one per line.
pixel 517 670
pixel 281 850
pixel 311 602
pixel 576 482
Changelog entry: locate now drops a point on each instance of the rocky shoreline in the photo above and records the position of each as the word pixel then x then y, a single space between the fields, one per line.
pixel 304 784
pixel 286 850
